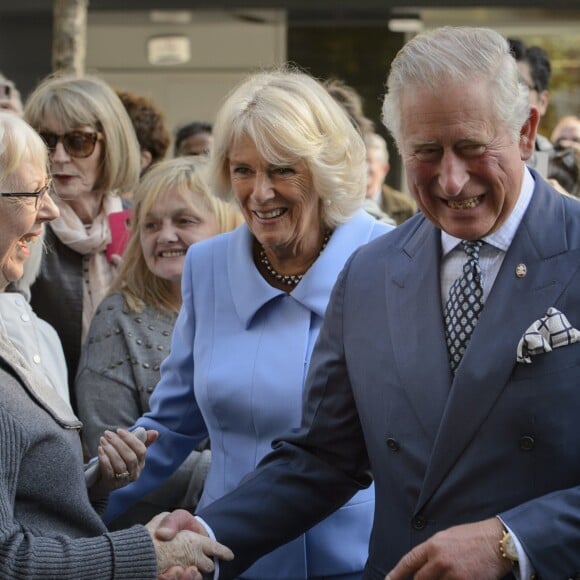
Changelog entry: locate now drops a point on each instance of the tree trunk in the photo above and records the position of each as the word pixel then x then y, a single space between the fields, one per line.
pixel 69 44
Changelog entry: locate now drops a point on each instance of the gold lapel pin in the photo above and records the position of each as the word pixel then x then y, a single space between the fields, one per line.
pixel 521 270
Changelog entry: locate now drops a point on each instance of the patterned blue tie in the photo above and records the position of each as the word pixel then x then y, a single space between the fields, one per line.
pixel 464 304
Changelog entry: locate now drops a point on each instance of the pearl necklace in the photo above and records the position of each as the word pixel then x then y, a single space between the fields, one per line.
pixel 289 279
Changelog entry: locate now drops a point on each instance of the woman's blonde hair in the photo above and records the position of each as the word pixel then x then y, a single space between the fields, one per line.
pixel 89 101
pixel 290 116
pixel 187 175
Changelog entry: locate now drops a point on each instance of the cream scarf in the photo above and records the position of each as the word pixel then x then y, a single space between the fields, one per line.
pixel 38 387
pixel 90 241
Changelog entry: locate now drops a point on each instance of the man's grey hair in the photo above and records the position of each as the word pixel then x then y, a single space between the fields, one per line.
pixel 446 56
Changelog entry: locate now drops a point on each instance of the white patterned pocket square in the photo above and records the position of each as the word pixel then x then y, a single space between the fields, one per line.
pixel 546 334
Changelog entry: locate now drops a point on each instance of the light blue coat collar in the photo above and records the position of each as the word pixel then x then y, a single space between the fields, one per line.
pixel 251 292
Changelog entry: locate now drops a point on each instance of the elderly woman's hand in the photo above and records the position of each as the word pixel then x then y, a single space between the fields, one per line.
pixel 121 459
pixel 186 554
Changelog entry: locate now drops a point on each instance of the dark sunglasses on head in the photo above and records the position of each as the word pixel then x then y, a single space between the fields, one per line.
pixel 76 143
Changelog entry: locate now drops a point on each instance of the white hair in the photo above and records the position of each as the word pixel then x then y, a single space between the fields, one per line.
pixel 450 55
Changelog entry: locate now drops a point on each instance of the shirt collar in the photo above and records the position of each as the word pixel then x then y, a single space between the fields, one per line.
pixel 503 236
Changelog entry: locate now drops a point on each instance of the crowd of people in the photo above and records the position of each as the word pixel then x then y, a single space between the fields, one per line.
pixel 256 359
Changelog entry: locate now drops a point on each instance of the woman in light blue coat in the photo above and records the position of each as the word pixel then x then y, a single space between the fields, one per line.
pixel 253 303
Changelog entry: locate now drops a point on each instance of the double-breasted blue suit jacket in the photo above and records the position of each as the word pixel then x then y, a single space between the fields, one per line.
pixel 501 438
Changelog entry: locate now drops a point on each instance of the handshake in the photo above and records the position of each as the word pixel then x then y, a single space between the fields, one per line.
pixel 184 550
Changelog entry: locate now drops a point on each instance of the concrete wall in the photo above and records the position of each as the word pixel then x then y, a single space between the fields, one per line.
pixel 223 50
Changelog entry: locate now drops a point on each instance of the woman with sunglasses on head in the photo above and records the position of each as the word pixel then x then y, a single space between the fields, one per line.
pixel 49 525
pixel 94 155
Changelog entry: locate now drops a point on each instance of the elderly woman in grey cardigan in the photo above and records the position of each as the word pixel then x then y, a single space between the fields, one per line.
pixel 49 527
pixel 130 334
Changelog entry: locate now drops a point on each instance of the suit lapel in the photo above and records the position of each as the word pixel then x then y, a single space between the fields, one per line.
pixel 414 307
pixel 513 304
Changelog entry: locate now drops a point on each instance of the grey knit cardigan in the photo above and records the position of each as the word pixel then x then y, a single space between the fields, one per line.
pixel 48 527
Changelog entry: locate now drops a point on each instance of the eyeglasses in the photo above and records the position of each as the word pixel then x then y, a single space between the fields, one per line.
pixel 78 144
pixel 37 195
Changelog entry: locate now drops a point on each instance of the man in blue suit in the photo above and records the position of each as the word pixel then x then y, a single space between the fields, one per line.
pixel 472 442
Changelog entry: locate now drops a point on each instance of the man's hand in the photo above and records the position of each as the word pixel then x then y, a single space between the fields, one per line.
pixel 172 523
pixel 188 554
pixel 462 552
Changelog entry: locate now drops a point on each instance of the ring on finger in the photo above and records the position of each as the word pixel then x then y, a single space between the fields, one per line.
pixel 122 475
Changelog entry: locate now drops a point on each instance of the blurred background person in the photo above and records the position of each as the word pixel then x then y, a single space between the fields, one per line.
pixel 566 133
pixel 193 139
pixel 130 334
pixel 564 165
pixel 94 155
pixel 9 96
pixel 150 127
pixel 50 527
pixel 351 102
pixel 535 71
pixel 393 202
pixel 564 170
pixel 253 303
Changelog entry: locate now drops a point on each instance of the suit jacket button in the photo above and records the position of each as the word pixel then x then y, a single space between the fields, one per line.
pixel 393 444
pixel 527 443
pixel 419 522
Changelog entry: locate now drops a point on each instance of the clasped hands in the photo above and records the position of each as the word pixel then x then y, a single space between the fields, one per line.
pixel 183 547
pixel 184 550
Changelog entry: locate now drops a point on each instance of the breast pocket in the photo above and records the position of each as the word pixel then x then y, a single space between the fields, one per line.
pixel 558 361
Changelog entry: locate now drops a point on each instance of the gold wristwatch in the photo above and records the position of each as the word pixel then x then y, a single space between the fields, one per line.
pixel 508 549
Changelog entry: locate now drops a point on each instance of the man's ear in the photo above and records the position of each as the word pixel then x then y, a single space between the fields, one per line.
pixel 528 134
